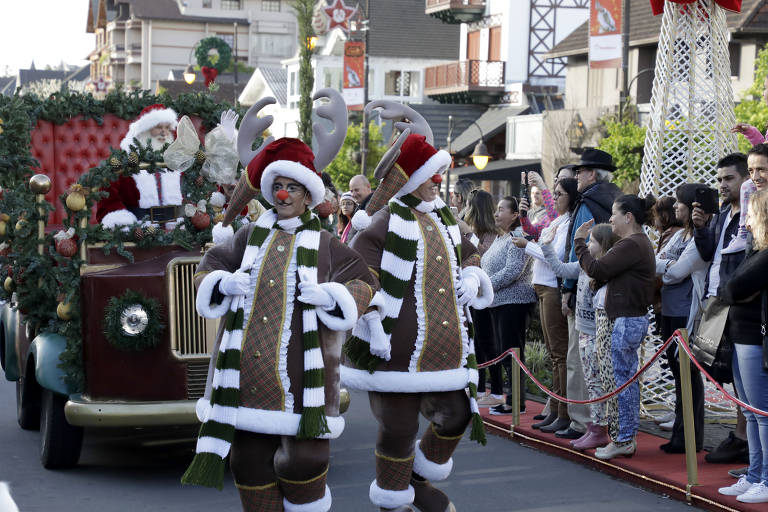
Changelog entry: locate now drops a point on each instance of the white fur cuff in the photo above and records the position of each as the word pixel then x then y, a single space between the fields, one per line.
pixel 485 294
pixel 385 498
pixel 321 505
pixel 203 300
pixel 428 469
pixel 346 303
pixel 118 218
pixel 361 220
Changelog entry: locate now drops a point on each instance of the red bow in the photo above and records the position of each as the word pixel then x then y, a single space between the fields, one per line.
pixel 210 74
pixel 657 6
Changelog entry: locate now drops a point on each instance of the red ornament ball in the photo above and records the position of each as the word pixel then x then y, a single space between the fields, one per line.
pixel 66 247
pixel 201 220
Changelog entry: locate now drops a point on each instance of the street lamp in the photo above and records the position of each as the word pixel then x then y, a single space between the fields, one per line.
pixel 189 74
pixel 312 43
pixel 480 156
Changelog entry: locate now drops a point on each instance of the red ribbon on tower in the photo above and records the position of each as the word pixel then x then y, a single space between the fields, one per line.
pixel 209 74
pixel 657 6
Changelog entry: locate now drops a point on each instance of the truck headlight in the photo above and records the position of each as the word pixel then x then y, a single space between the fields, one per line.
pixel 134 320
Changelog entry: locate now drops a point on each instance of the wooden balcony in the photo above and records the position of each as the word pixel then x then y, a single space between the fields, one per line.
pixel 466 81
pixel 455 11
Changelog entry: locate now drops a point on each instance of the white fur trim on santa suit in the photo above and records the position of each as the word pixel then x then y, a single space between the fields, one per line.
pixel 385 498
pixel 321 505
pixel 146 123
pixel 221 234
pixel 437 164
pixel 361 220
pixel 296 172
pixel 485 294
pixel 428 469
pixel 203 300
pixel 278 423
pixel 118 218
pixel 405 382
pixel 345 302
pixel 146 183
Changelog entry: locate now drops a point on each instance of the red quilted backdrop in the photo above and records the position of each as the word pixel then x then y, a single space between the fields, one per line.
pixel 67 151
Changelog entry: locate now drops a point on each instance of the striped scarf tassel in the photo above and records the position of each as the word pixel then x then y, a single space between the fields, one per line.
pixel 478 428
pixel 217 433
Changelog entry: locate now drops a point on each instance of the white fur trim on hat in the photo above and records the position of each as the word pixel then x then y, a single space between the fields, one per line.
pixel 437 163
pixel 385 498
pixel 428 469
pixel 147 122
pixel 361 220
pixel 297 172
pixel 118 218
pixel 321 505
pixel 203 301
pixel 345 302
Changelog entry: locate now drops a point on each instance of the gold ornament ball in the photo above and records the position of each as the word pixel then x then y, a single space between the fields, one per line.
pixel 344 400
pixel 64 310
pixel 8 284
pixel 75 201
pixel 40 184
pixel 3 228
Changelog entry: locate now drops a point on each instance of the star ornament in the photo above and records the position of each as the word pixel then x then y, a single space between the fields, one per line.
pixel 339 15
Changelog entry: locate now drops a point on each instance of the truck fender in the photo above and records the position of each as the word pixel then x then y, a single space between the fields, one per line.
pixel 46 349
pixel 9 321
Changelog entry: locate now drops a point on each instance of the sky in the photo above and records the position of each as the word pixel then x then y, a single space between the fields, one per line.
pixel 46 31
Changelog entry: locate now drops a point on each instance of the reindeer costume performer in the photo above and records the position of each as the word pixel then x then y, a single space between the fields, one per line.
pixel 287 291
pixel 416 353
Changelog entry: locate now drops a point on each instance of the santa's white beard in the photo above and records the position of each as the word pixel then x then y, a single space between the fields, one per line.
pixel 156 143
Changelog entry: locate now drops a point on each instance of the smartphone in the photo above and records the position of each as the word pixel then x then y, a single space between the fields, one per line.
pixel 708 200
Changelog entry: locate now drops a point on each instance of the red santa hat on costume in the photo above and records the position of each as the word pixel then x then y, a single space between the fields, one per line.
pixel 418 162
pixel 286 157
pixel 150 117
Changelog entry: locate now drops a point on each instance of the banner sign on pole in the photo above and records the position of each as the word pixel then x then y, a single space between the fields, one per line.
pixel 354 74
pixel 605 34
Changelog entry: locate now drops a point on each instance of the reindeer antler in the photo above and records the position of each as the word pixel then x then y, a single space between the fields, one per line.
pixel 251 127
pixel 389 158
pixel 329 143
pixel 394 110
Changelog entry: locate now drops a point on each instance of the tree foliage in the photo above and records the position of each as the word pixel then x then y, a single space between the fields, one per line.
pixel 753 109
pixel 346 164
pixel 304 12
pixel 624 141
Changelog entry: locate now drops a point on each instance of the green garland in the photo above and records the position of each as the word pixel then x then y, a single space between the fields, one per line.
pixel 113 322
pixel 208 44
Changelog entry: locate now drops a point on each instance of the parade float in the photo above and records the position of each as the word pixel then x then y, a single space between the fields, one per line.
pixel 98 326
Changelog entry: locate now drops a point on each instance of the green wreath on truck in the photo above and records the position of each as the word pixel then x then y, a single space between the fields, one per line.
pixel 208 44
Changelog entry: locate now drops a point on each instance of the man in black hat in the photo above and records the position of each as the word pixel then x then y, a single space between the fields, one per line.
pixel 597 193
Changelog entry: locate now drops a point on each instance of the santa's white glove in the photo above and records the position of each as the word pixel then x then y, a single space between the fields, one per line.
pixel 236 283
pixel 314 295
pixel 468 288
pixel 380 345
pixel 228 123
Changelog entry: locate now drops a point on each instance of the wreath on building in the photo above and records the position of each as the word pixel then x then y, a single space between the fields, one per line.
pixel 212 67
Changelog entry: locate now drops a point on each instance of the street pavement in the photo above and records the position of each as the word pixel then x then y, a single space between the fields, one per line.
pixel 140 471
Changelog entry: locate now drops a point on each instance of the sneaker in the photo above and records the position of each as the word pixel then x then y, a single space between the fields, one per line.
pixel 665 418
pixel 489 401
pixel 500 410
pixel 740 487
pixel 738 472
pixel 758 493
pixel 668 426
pixel 615 450
pixel 731 450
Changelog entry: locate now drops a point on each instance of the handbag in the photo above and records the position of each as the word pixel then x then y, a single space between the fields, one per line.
pixel 708 330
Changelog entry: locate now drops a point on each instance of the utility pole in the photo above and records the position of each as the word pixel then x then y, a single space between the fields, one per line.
pixel 364 130
pixel 624 95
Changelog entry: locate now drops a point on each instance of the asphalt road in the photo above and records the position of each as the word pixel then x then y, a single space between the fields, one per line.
pixel 140 471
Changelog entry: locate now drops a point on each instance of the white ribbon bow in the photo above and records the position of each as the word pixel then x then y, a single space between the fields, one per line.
pixel 221 156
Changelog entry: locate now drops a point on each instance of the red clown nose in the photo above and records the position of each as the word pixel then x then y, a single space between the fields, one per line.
pixel 282 195
pixel 437 179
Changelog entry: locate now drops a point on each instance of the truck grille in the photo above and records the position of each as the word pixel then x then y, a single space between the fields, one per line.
pixel 192 336
pixel 197 374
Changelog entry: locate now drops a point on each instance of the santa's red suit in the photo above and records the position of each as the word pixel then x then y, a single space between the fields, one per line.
pixel 131 197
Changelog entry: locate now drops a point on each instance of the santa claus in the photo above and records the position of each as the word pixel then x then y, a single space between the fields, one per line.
pixel 151 195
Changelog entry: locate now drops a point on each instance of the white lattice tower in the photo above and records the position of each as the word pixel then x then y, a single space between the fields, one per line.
pixel 688 129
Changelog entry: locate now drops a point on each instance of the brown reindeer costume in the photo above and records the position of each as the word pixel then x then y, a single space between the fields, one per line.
pixel 288 291
pixel 416 353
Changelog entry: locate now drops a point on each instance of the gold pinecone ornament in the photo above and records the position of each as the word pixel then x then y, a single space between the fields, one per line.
pixel 133 158
pixel 138 234
pixel 115 163
pixel 200 156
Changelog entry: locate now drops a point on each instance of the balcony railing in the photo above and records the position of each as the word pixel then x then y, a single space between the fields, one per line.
pixel 464 76
pixel 455 11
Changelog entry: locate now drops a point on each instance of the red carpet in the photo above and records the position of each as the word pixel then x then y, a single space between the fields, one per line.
pixel 649 467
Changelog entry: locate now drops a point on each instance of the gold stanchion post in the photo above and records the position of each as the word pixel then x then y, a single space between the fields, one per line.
pixel 514 388
pixel 691 464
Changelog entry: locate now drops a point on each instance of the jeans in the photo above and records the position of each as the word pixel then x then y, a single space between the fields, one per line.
pixel 751 383
pixel 628 333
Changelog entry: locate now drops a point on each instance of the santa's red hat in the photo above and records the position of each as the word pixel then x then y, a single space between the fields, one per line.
pixel 149 117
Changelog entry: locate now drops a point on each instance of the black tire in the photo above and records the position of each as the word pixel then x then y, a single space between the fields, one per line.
pixel 60 442
pixel 28 404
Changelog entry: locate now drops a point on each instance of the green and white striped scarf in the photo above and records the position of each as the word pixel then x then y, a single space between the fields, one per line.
pixel 397 263
pixel 217 433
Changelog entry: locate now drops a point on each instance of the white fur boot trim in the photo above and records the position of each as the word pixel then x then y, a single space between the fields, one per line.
pixel 385 498
pixel 428 469
pixel 321 505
